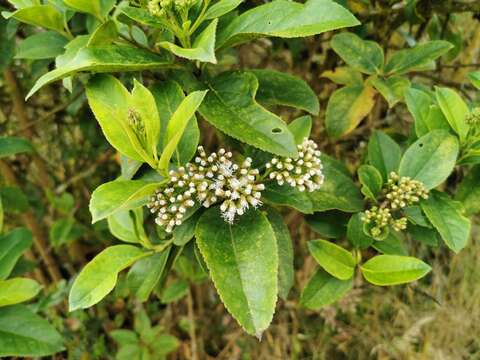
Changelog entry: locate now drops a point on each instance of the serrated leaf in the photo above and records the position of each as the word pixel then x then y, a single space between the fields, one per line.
pixel 12 246
pixel 334 259
pixel 24 333
pixel 384 153
pixel 17 290
pixel 416 58
pixel 278 88
pixel 230 106
pixel 347 107
pixel 446 217
pixel 431 158
pixel 287 19
pixel 363 55
pixel 99 276
pixel 118 195
pixel 243 262
pixel 385 270
pixel 203 48
pixel 99 59
pixel 323 289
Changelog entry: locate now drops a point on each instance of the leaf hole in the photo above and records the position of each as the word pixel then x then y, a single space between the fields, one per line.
pixel 420 145
pixel 277 131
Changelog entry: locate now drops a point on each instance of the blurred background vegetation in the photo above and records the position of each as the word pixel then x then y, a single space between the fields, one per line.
pixel 49 191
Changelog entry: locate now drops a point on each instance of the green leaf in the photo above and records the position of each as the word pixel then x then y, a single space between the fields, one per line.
pixel 186 231
pixel 177 124
pixel 45 16
pixel 174 291
pixel 474 78
pixel 23 333
pixel 203 48
pixel 384 270
pixel 431 158
pixel 43 45
pixel 145 274
pixel 279 88
pixel 468 192
pixel 334 259
pixel 392 88
pixel 99 276
pixel 121 224
pixel 243 264
pixel 364 56
pixel 391 245
pixel 63 231
pixel 424 235
pixel 286 19
pixel 285 252
pixel 446 216
pixel 142 16
pixel 7 41
pixel 124 336
pixel 119 195
pixel 329 224
pixel 92 7
pixel 105 34
pixel 344 76
pixel 323 289
pixel 384 153
pixel 301 128
pixel 110 58
pixel 415 216
pixel 17 290
pixel 230 106
pixel 371 181
pixel 144 104
pixel 416 58
pixel 14 200
pixel 454 109
pixel 168 96
pixel 347 107
pixel 285 195
pixel 355 233
pixel 12 246
pixel 221 8
pixel 10 145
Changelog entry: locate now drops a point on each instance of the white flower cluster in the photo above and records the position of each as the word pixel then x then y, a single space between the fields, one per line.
pixel 303 173
pixel 210 179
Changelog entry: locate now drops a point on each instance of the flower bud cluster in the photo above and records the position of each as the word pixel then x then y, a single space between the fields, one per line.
pixel 210 179
pixel 303 173
pixel 399 192
pixel 163 7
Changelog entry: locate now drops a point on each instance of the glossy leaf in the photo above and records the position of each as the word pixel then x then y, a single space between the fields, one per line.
pixel 43 45
pixel 110 58
pixel 362 55
pixel 45 16
pixel 230 106
pixel 122 224
pixel 454 109
pixel 12 246
pixel 285 252
pixel 221 8
pixel 347 107
pixel 323 289
pixel 278 88
pixel 446 216
pixel 92 7
pixel 142 16
pixel 355 234
pixel 145 274
pixel 118 195
pixel 416 58
pixel 392 88
pixel 371 181
pixel 384 153
pixel 286 19
pixel 301 128
pixel 177 124
pixel 203 48
pixel 387 270
pixel 390 245
pixel 328 224
pixel 334 259
pixel 344 76
pixel 10 145
pixel 243 262
pixel 474 78
pixel 17 290
pixel 431 158
pixel 24 333
pixel 105 34
pixel 468 192
pixel 99 276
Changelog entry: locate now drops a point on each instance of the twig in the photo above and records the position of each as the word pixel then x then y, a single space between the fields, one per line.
pixel 191 319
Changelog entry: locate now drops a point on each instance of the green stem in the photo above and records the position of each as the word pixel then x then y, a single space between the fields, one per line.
pixel 200 17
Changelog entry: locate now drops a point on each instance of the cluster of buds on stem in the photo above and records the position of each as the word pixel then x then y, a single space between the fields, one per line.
pixel 473 120
pixel 211 179
pixel 303 173
pixel 398 193
pixel 161 8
